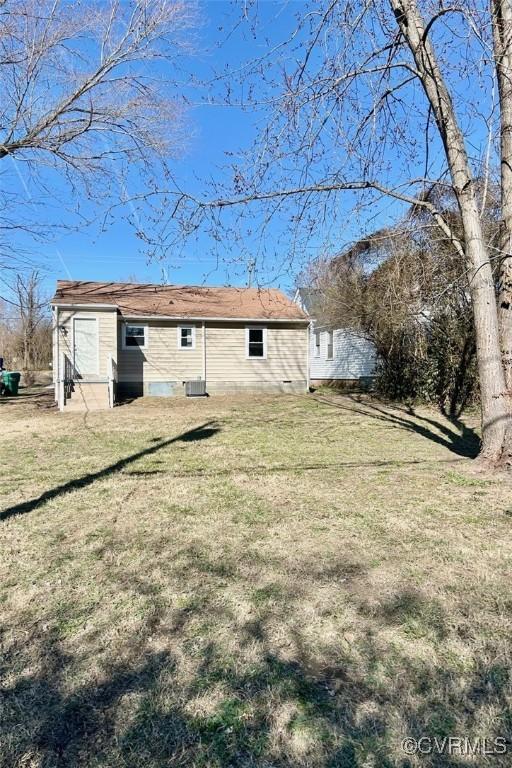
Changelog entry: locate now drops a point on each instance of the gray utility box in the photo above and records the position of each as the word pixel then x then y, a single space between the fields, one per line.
pixel 195 388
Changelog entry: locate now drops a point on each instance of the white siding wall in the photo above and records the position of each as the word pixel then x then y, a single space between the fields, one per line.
pixel 353 357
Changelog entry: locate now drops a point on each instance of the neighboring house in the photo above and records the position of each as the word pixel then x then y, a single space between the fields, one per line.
pixel 336 354
pixel 125 340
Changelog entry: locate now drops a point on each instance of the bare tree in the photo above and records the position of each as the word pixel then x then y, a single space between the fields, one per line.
pixel 501 11
pixel 87 97
pixel 31 308
pixel 495 406
pixel 27 329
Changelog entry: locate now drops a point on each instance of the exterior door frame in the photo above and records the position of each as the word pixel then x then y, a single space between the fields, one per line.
pixel 95 319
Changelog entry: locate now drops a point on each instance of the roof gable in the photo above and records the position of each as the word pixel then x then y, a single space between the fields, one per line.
pixel 307 299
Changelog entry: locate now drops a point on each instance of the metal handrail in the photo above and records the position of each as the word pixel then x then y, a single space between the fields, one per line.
pixel 69 375
pixel 65 380
pixel 112 380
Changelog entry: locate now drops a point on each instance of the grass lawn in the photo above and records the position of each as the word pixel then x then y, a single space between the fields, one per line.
pixel 236 582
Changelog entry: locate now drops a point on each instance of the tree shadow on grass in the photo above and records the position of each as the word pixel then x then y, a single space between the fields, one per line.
pixel 203 432
pixel 461 439
pixel 282 707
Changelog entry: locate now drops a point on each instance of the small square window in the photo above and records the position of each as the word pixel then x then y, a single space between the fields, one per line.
pixel 186 337
pixel 134 336
pixel 256 342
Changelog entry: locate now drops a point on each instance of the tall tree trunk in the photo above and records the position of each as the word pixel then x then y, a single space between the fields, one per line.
pixel 501 14
pixel 495 412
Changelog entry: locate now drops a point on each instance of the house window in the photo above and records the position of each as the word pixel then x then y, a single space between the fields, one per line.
pixel 186 337
pixel 317 343
pixel 256 342
pixel 330 345
pixel 135 336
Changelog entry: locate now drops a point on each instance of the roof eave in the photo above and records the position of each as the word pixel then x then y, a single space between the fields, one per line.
pixel 79 305
pixel 189 318
pixel 199 318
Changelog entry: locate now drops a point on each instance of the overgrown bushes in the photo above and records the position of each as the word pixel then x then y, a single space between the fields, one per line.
pixel 405 288
pixel 440 368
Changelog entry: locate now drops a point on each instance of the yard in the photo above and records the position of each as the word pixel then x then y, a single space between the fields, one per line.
pixel 236 582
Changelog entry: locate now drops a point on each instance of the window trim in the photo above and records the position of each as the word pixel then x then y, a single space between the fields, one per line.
pixel 178 337
pixel 124 345
pixel 317 343
pixel 255 328
pixel 330 335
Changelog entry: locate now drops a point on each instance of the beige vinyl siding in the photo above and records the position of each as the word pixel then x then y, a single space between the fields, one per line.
pixel 108 339
pixel 226 359
pixel 66 332
pixel 107 334
pixel 162 360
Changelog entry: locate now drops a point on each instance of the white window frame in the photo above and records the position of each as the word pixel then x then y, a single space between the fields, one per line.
pixel 330 334
pixel 179 329
pixel 255 328
pixel 317 337
pixel 127 348
pixel 84 316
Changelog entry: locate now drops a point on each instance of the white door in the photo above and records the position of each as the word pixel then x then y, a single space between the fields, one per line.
pixel 86 346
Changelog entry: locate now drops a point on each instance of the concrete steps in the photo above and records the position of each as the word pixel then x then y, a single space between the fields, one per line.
pixel 88 396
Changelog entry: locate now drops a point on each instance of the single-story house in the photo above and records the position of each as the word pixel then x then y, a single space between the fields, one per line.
pixel 114 340
pixel 336 355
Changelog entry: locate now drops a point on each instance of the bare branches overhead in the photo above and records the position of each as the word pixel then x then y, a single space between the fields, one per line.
pixel 76 78
pixel 87 94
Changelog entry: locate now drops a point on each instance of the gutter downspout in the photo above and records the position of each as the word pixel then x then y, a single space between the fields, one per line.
pixel 204 352
pixel 56 357
pixel 308 336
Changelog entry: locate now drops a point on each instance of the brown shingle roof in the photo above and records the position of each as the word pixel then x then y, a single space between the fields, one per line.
pixel 181 301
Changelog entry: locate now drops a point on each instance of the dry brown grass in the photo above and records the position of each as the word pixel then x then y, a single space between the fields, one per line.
pixel 257 581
